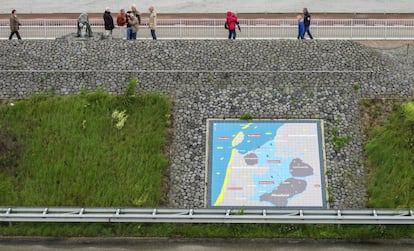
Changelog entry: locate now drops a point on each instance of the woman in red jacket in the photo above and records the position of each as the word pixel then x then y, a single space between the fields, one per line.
pixel 231 22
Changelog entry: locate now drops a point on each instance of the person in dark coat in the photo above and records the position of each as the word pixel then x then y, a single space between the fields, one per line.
pixel 307 21
pixel 109 22
pixel 14 25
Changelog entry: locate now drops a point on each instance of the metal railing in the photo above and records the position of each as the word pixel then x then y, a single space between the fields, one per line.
pixel 289 216
pixel 357 29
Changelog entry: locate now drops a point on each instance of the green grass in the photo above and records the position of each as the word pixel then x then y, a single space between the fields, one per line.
pixel 209 230
pixel 391 160
pixel 70 152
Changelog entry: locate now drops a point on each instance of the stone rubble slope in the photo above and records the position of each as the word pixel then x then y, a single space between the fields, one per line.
pixel 270 79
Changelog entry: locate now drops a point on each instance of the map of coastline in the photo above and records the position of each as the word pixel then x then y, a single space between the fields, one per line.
pixel 266 164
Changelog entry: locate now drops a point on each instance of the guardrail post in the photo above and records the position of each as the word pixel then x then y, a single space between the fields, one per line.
pixel 264 216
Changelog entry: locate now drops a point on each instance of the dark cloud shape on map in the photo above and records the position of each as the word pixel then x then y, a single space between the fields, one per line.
pixel 251 159
pixel 299 168
pixel 287 189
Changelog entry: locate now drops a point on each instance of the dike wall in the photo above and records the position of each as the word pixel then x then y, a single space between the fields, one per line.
pixel 278 79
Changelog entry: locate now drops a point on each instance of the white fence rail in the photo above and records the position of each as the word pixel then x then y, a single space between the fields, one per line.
pixel 357 29
pixel 321 216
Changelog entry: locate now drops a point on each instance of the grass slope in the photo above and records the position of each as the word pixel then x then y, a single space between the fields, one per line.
pixel 67 151
pixel 210 230
pixel 390 152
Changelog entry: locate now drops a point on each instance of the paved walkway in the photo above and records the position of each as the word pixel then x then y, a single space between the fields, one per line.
pixel 212 6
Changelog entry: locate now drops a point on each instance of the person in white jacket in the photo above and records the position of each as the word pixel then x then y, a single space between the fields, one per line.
pixel 152 24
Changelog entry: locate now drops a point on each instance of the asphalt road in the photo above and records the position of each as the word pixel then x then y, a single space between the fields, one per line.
pixel 130 244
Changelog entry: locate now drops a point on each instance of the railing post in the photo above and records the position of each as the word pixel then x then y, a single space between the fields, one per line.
pixel 249 27
pixel 352 28
pixel 386 30
pixel 214 29
pixel 44 28
pixel 180 27
pixel 267 28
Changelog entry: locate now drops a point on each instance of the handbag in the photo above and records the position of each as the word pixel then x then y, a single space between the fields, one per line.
pixel 226 25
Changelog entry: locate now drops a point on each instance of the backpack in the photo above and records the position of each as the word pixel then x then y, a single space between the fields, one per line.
pixel 226 25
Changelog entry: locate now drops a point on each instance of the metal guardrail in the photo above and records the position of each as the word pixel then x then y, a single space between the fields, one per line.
pixel 288 216
pixel 357 29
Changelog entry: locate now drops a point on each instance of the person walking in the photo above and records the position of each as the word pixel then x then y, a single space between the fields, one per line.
pixel 152 23
pixel 83 21
pixel 231 22
pixel 136 13
pixel 109 22
pixel 121 22
pixel 137 16
pixel 120 18
pixel 133 22
pixel 301 27
pixel 128 25
pixel 307 22
pixel 14 25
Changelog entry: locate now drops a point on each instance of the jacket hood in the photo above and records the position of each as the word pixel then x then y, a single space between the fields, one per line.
pixel 228 13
